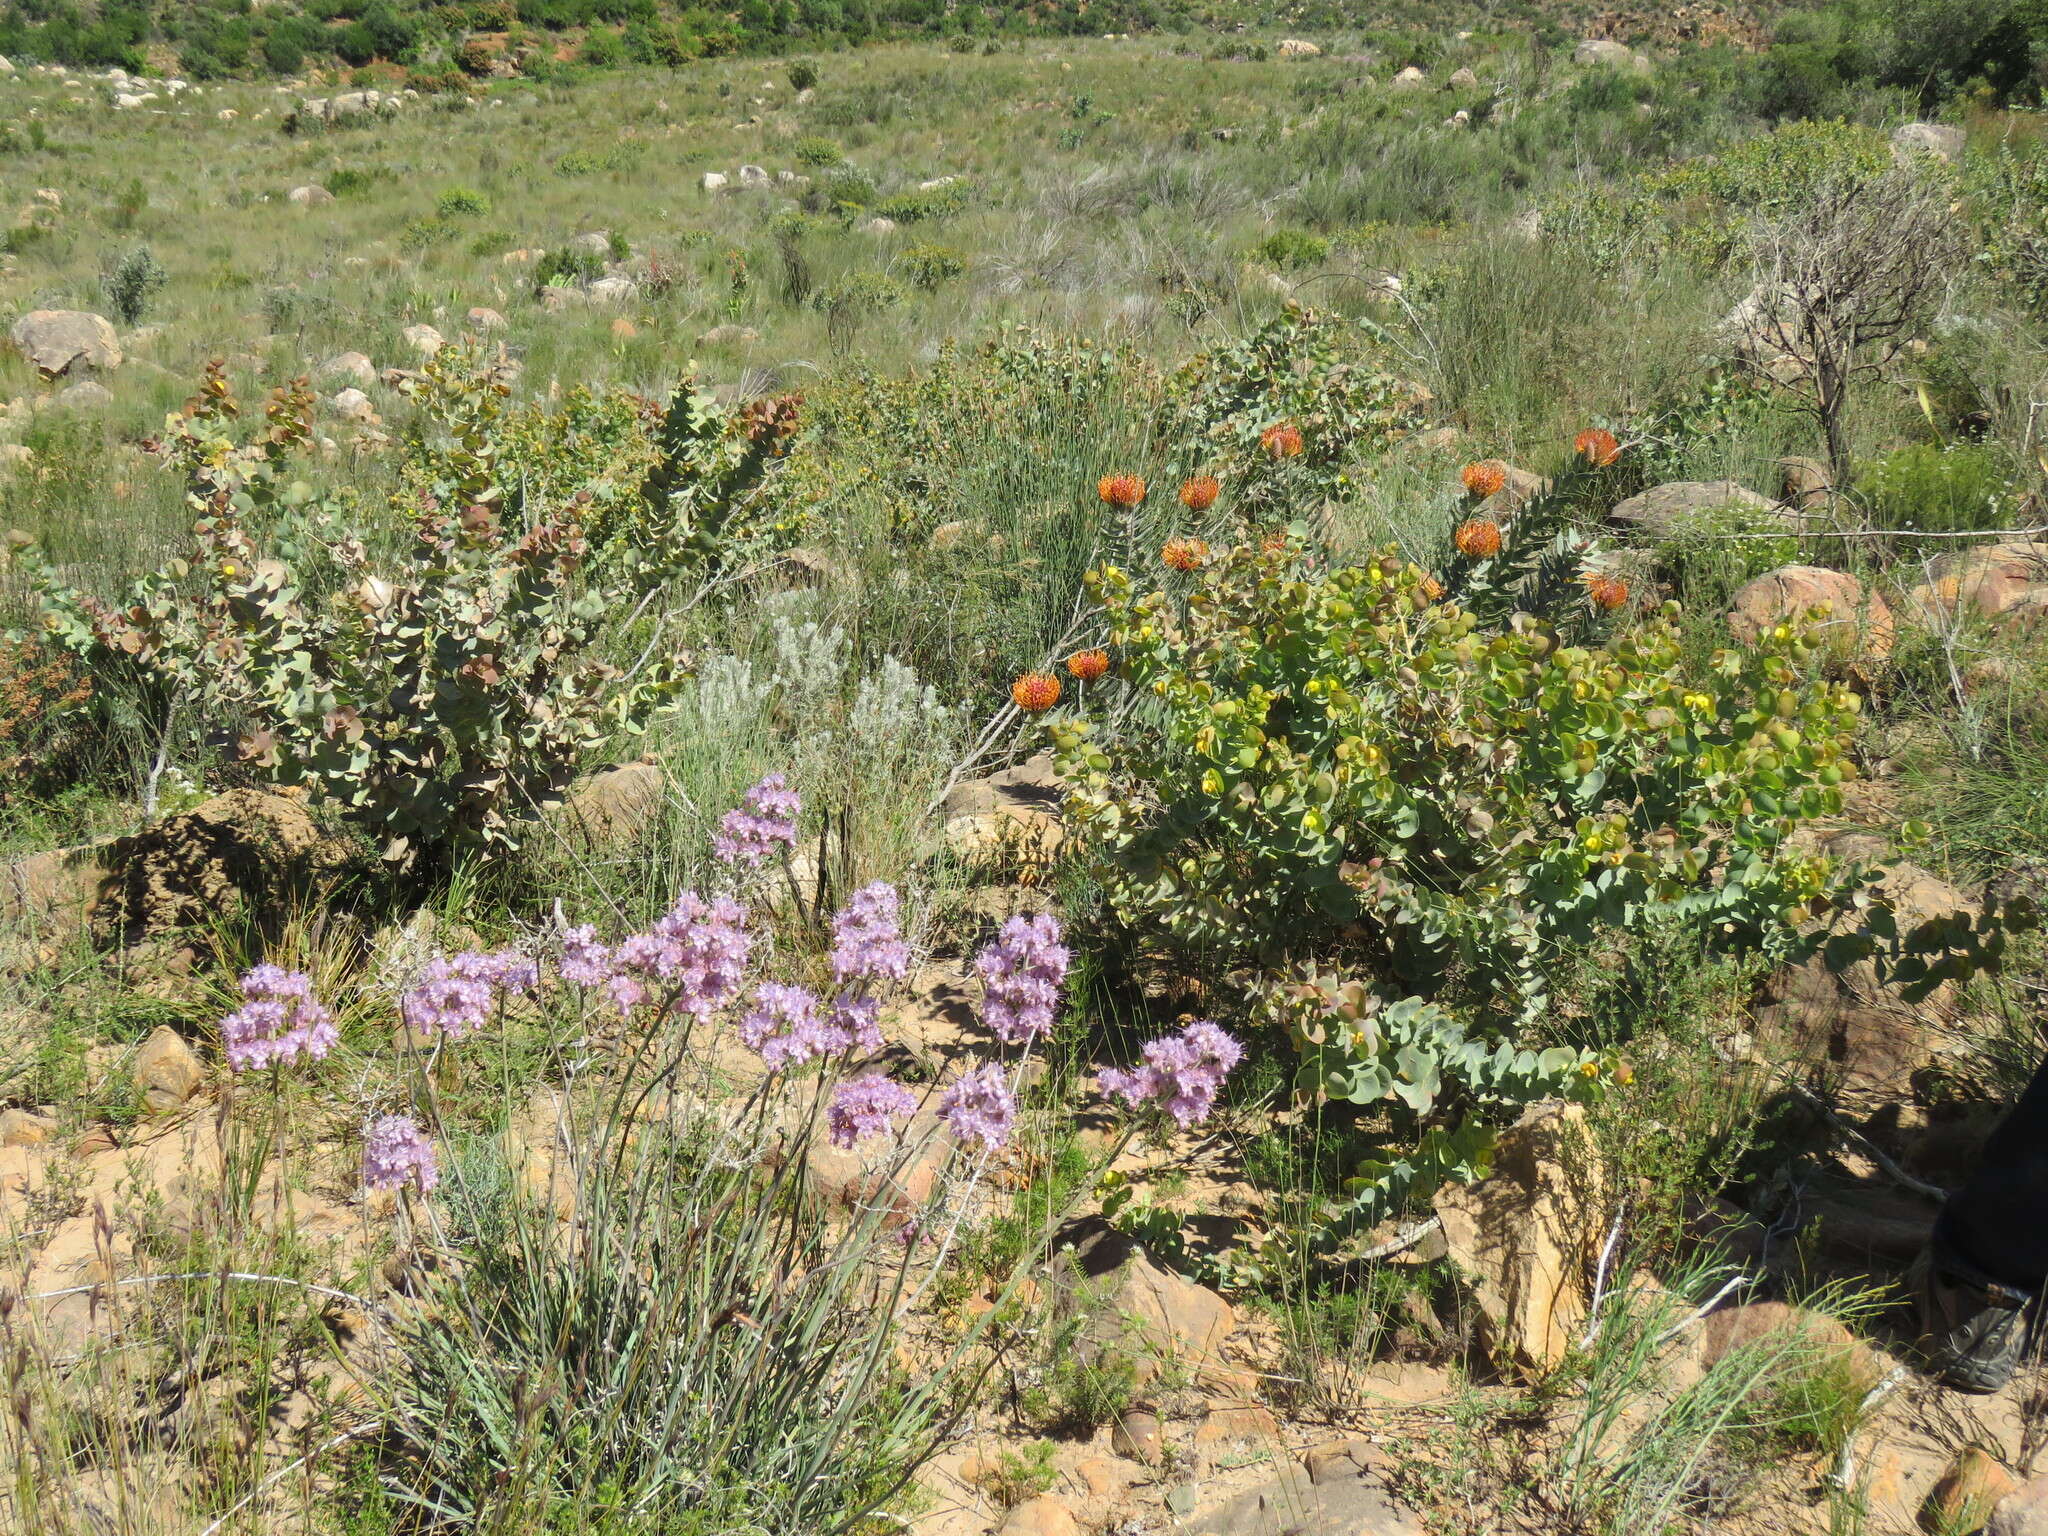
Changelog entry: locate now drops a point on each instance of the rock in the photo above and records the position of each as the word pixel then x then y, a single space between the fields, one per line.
pixel 1339 1461
pixel 1600 50
pixel 1463 79
pixel 484 318
pixel 1042 1516
pixel 352 404
pixel 1137 1434
pixel 15 457
pixel 128 101
pixel 1292 1505
pixel 2023 1512
pixel 309 197
pixel 1683 506
pixel 20 1128
pixel 728 335
pixel 594 242
pixel 1737 1327
pixel 715 181
pixel 1808 483
pixel 353 366
pixel 624 329
pixel 246 846
pixel 166 1073
pixel 1916 141
pixel 1008 820
pixel 1137 1309
pixel 880 226
pixel 423 339
pixel 1994 581
pixel 1863 1026
pixel 1859 625
pixel 1528 1235
pixel 86 395
pixel 611 290
pixel 1409 79
pixel 753 178
pixel 1298 48
pixel 616 805
pixel 59 340
pixel 1231 1425
pixel 937 183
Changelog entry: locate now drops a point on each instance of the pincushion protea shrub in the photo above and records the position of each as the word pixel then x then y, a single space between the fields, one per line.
pixel 442 701
pixel 1332 769
pixel 1285 412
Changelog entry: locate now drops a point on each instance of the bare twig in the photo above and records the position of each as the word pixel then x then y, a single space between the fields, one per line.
pixel 1734 1284
pixel 1845 1466
pixel 1401 1241
pixel 1876 1154
pixel 1600 1277
pixel 370 1308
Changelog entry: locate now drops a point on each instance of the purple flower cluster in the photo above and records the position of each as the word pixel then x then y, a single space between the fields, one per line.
pixel 698 949
pixel 396 1152
pixel 980 1107
pixel 455 993
pixel 1182 1071
pixel 751 832
pixel 868 939
pixel 1021 974
pixel 586 961
pixel 788 1026
pixel 279 1020
pixel 866 1106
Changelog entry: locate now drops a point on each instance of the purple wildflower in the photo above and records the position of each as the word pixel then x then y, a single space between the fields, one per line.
pixel 867 1106
pixel 855 1024
pixel 585 962
pixel 395 1153
pixel 867 940
pixel 455 993
pixel 980 1107
pixel 1021 974
pixel 697 948
pixel 750 832
pixel 1183 1071
pixel 785 1025
pixel 279 1020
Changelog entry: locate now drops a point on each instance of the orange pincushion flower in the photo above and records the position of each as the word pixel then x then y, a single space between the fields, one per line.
pixel 1282 440
pixel 1036 692
pixel 1608 592
pixel 1484 478
pixel 1121 490
pixel 1088 665
pixel 1198 493
pixel 1596 445
pixel 1477 539
pixel 1185 554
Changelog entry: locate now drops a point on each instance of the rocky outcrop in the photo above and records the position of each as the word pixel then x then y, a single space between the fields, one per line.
pixel 1009 820
pixel 2005 582
pixel 58 341
pixel 1680 507
pixel 1527 1236
pixel 1140 1310
pixel 1841 1010
pixel 1858 626
pixel 1927 141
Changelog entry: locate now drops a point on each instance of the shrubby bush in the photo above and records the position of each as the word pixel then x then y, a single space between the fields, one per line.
pixel 445 698
pixel 131 281
pixel 1343 782
pixel 1937 488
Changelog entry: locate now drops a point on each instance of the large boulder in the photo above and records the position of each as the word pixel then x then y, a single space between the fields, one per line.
pixel 1409 79
pixel 1298 48
pixel 1679 507
pixel 1528 1235
pixel 2007 582
pixel 1844 1011
pixel 355 367
pixel 1859 624
pixel 309 196
pixel 243 847
pixel 1601 50
pixel 59 340
pixel 1140 1311
pixel 616 806
pixel 1921 141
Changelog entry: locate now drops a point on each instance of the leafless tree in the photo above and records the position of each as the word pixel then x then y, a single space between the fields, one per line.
pixel 1841 283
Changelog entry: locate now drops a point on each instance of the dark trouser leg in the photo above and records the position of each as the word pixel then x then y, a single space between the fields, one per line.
pixel 1999 1220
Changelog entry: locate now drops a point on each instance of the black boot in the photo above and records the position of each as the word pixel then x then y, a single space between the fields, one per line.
pixel 1973 1329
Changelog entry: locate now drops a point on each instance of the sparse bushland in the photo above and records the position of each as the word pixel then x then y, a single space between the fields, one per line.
pixel 1228 424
